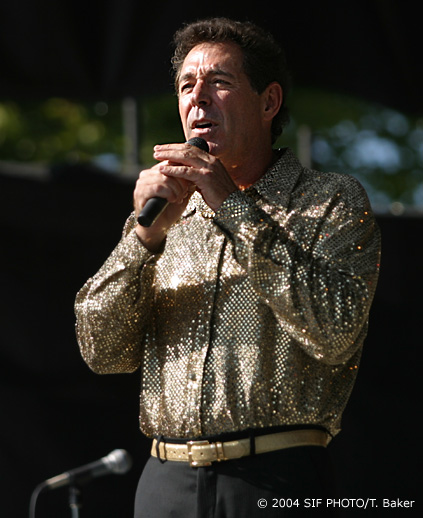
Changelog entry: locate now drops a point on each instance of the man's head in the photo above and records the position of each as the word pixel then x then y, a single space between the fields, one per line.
pixel 263 60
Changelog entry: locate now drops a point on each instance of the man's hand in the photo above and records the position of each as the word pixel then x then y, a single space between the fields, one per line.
pixel 182 170
pixel 185 162
pixel 152 183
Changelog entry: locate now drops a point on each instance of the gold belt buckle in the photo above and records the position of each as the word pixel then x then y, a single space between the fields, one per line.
pixel 197 463
pixel 218 453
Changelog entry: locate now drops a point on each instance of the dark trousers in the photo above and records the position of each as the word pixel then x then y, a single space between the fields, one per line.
pixel 286 483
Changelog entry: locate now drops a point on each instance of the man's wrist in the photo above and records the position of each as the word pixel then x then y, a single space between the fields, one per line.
pixel 153 243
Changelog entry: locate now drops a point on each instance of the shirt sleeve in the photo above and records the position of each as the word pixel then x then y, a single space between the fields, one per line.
pixel 316 264
pixel 113 307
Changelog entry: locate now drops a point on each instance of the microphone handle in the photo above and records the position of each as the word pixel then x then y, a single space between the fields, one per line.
pixel 155 206
pixel 151 211
pixel 81 475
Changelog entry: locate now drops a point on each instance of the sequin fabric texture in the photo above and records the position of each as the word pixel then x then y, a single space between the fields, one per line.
pixel 250 317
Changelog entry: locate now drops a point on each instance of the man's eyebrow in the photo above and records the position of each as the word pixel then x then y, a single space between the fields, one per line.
pixel 211 72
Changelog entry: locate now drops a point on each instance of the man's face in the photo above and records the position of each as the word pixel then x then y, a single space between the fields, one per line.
pixel 217 102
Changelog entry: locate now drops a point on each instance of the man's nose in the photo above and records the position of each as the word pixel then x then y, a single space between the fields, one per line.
pixel 200 94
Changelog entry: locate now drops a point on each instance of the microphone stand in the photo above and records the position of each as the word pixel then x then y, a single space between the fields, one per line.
pixel 75 500
pixel 118 462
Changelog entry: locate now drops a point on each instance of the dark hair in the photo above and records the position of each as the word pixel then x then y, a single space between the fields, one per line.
pixel 264 59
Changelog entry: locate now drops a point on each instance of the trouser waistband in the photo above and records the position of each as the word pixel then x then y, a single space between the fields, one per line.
pixel 203 453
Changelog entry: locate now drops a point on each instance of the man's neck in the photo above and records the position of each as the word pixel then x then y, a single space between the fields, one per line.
pixel 250 171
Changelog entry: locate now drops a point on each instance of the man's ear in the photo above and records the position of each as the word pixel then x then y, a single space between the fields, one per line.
pixel 272 100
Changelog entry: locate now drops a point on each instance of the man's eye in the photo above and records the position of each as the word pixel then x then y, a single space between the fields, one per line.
pixel 186 86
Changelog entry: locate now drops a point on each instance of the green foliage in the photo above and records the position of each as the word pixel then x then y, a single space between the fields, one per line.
pixel 58 130
pixel 380 146
pixel 159 123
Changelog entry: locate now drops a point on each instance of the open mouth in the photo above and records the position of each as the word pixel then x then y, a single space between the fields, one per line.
pixel 202 125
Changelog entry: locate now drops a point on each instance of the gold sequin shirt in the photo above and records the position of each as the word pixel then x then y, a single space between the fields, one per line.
pixel 250 317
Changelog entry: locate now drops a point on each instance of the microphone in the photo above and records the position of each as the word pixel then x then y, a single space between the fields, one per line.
pixel 155 206
pixel 117 461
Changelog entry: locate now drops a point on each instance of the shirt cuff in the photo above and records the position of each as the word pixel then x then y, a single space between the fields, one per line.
pixel 130 251
pixel 250 228
pixel 239 213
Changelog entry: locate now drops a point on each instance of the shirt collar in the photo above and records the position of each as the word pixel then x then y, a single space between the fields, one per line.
pixel 275 185
pixel 278 182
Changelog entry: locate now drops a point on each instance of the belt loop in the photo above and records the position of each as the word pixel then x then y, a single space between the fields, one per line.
pixel 158 441
pixel 252 443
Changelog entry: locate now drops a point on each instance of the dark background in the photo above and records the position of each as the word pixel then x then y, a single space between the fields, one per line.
pixel 103 49
pixel 56 414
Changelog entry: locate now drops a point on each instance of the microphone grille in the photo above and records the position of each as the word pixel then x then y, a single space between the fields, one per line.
pixel 199 142
pixel 118 461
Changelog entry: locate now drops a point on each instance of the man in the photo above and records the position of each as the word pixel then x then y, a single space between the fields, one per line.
pixel 245 304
